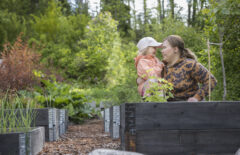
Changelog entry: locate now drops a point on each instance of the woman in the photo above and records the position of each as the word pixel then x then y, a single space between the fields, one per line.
pixel 147 64
pixel 184 72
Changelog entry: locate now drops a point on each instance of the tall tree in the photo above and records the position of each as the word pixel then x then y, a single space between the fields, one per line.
pixel 120 12
pixel 189 12
pixel 163 10
pixel 24 7
pixel 194 12
pixel 172 6
pixel 134 15
pixel 159 8
pixel 82 7
pixel 145 11
pixel 66 8
pixel 129 5
pixel 202 2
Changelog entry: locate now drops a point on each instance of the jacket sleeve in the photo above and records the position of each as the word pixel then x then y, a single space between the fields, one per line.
pixel 201 75
pixel 144 70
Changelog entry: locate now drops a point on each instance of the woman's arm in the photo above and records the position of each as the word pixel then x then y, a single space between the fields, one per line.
pixel 201 74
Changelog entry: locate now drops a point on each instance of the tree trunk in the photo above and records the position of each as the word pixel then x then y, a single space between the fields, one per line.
pixel 163 11
pixel 159 8
pixel 189 12
pixel 194 12
pixel 145 11
pixel 134 15
pixel 129 19
pixel 172 8
pixel 202 3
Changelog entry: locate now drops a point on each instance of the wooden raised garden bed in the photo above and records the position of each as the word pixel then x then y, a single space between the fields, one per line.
pixel 55 121
pixel 177 128
pixel 114 126
pixel 22 143
pixel 48 118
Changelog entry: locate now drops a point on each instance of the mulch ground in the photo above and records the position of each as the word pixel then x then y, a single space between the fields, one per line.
pixel 81 139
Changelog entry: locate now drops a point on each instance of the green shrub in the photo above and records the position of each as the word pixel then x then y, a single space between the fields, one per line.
pixel 11 25
pixel 58 37
pixel 101 40
pixel 64 96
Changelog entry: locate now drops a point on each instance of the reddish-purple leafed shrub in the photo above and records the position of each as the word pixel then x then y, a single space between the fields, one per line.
pixel 18 63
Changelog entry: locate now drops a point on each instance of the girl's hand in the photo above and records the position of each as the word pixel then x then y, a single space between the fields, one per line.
pixel 140 80
pixel 192 99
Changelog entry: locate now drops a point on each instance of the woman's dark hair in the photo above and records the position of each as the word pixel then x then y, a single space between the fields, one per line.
pixel 177 41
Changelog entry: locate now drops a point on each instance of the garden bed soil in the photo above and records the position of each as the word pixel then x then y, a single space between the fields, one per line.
pixel 81 139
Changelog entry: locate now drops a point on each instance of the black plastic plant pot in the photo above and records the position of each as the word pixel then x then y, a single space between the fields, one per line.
pixel 24 142
pixel 181 127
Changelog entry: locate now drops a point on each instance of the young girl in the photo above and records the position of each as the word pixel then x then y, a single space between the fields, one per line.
pixel 147 64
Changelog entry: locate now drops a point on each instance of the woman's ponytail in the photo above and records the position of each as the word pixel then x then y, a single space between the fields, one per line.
pixel 177 41
pixel 188 54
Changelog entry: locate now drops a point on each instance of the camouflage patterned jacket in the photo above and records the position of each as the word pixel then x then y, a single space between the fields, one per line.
pixel 185 75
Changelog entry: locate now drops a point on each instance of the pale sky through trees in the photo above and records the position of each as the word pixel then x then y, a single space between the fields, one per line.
pixel 94 5
pixel 139 5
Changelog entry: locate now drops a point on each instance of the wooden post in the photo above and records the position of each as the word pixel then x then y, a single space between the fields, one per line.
pixel 222 62
pixel 209 61
pixel 223 68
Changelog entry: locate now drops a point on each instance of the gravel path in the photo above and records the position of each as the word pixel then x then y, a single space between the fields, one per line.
pixel 81 139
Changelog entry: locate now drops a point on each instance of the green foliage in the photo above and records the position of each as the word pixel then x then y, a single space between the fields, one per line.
pixel 58 37
pixel 24 7
pixel 192 38
pixel 10 27
pixel 12 116
pixel 223 17
pixel 64 96
pixel 101 40
pixel 158 91
pixel 122 76
pixel 120 12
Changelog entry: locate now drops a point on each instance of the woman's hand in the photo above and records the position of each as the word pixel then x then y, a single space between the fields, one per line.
pixel 192 99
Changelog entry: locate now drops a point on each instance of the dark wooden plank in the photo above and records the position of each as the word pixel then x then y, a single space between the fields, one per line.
pixel 122 126
pixel 9 139
pixel 218 141
pixel 178 150
pixel 130 127
pixel 111 121
pixel 184 115
pixel 41 117
pixel 34 141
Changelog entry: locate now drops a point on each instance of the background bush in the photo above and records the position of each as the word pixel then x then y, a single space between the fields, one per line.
pixel 18 63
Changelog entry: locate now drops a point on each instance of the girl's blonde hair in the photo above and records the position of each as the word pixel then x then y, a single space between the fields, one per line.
pixel 144 51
